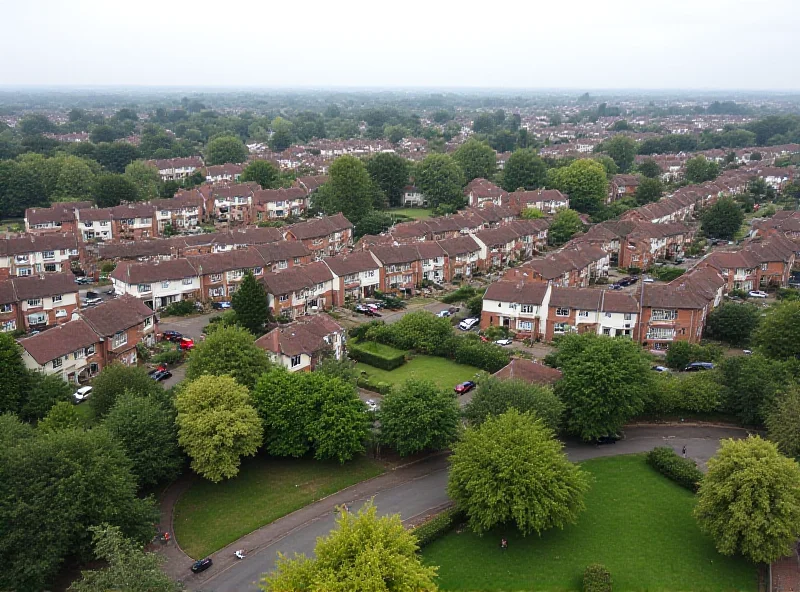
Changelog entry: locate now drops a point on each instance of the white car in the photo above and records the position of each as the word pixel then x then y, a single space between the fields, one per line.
pixel 648 280
pixel 92 301
pixel 82 394
pixel 468 324
pixel 443 314
pixel 503 342
pixel 757 294
pixel 371 405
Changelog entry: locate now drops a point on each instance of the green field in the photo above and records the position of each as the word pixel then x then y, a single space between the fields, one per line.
pixel 416 213
pixel 442 371
pixel 212 515
pixel 637 523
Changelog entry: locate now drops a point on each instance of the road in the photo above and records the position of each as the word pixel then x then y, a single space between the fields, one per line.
pixel 421 495
pixel 190 327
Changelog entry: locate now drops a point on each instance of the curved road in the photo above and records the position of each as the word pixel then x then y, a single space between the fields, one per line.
pixel 426 493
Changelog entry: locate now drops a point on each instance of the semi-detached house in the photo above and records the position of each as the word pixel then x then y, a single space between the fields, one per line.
pixel 221 273
pixel 31 254
pixel 355 276
pixel 300 345
pixel 157 283
pixel 301 290
pixel 71 351
pixel 121 324
pixel 58 218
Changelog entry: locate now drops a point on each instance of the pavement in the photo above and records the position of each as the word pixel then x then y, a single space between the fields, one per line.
pixel 413 491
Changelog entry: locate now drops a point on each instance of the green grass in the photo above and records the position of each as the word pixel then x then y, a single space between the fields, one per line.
pixel 415 213
pixel 212 515
pixel 85 412
pixel 442 371
pixel 380 348
pixel 637 523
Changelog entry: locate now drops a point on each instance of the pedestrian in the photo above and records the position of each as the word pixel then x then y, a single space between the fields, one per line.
pixel 503 544
pixel 684 451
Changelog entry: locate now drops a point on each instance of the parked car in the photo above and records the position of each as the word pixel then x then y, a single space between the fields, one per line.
pixel 186 343
pixel 503 342
pixel 443 314
pixel 468 324
pixel 371 405
pixel 82 394
pixel 660 368
pixel 464 387
pixel 648 280
pixel 91 301
pixel 757 294
pixel 699 366
pixel 160 375
pixel 607 439
pixel 224 305
pixel 171 335
pixel 84 280
pixel 201 565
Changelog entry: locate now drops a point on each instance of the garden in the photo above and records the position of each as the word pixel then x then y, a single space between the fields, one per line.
pixel 443 372
pixel 637 523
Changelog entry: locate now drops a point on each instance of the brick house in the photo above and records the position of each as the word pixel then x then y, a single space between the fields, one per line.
pixel 121 324
pixel 183 212
pixel 157 283
pixel 27 255
pixel 283 255
pixel 434 261
pixel 325 236
pixel 518 306
pixel 622 186
pixel 300 345
pixel 548 201
pixel 480 192
pixel 134 221
pixel 233 203
pixel 71 351
pixel 276 204
pixel 59 218
pixel 529 371
pixel 498 246
pixel 355 276
pixel 463 257
pixel 572 310
pixel 400 267
pixel 172 169
pixel 221 273
pixel 311 184
pixel 95 224
pixel 229 171
pixel 45 300
pixel 9 308
pixel 300 290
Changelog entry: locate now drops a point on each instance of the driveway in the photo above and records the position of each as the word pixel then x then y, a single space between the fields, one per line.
pixel 190 326
pixel 411 499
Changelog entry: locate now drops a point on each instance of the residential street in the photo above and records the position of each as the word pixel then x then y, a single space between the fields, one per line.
pixel 190 327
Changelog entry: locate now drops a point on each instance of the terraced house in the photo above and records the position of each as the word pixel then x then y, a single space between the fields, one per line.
pixel 36 254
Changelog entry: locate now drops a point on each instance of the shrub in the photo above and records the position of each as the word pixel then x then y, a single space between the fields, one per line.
pixel 634 270
pixel 486 356
pixel 463 294
pixel 379 356
pixel 682 353
pixel 596 578
pixel 172 356
pixel 667 274
pixel 437 526
pixel 181 308
pixel 360 331
pixel 376 386
pixel 683 471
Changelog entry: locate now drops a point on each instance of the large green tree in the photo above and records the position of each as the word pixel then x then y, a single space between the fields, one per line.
pixel 229 350
pixel 217 425
pixel 649 168
pixel 749 501
pixel 62 416
pixel 511 469
pixel 752 383
pixel 524 169
pixel 723 219
pixel 604 385
pixel 262 172
pixel 783 423
pixel 779 334
pixel 566 224
pixel 477 160
pixel 13 375
pixel 365 553
pixel 441 180
pixel 584 181
pixel 389 171
pixel 621 149
pixel 495 397
pixel 225 149
pixel 699 169
pixel 418 416
pixel 251 304
pixel 349 190
pixel 116 379
pixel 145 177
pixel 112 190
pixel 733 323
pixel 649 190
pixel 282 134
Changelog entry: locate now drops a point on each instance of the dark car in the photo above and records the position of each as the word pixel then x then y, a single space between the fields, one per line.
pixel 221 305
pixel 464 387
pixel 84 280
pixel 607 439
pixel 699 367
pixel 201 565
pixel 626 281
pixel 171 335
pixel 160 375
pixel 616 287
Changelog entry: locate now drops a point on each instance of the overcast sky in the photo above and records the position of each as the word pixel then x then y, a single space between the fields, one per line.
pixel 646 44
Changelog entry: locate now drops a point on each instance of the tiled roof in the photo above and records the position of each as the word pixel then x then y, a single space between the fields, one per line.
pixel 154 271
pixel 517 292
pixel 59 341
pixel 304 336
pixel 529 371
pixel 118 314
pixel 42 286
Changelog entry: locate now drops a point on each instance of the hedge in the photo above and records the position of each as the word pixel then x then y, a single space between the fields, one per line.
pixel 486 356
pixel 172 356
pixel 463 294
pixel 683 471
pixel 383 357
pixel 376 386
pixel 596 578
pixel 438 526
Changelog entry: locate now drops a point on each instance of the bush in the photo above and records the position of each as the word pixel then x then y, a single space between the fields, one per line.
pixel 667 274
pixel 181 308
pixel 683 471
pixel 463 294
pixel 376 386
pixel 360 331
pixel 172 356
pixel 596 578
pixel 682 353
pixel 634 270
pixel 379 356
pixel 437 526
pixel 486 356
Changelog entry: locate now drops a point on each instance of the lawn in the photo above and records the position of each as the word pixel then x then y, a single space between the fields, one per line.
pixel 442 371
pixel 211 515
pixel 637 523
pixel 416 213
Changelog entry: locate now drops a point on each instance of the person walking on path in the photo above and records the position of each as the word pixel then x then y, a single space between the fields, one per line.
pixel 684 451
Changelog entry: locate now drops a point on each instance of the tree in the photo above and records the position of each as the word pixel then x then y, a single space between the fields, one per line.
pixel 389 171
pixel 62 416
pixel 649 190
pixel 13 431
pixel 365 553
pixel 484 123
pixel 145 177
pixel 13 374
pixel 649 168
pixel 282 134
pixel 608 163
pixel 524 168
pixel 783 423
pixel 621 149
pixel 733 323
pixel 55 486
pixel 749 501
pixel 262 172
pixel 495 397
pixel 418 416
pixel 217 425
pixel 116 379
pixel 251 305
pixel 310 411
pixel 395 133
pixel 441 180
pixel 225 149
pixel 531 214
pixel 146 431
pixel 778 336
pixel 75 178
pixel 103 133
pixel 566 224
pixel 374 222
pixel 584 181
pixel 476 159
pixel 699 169
pixel 112 190
pixel 35 124
pixel 603 386
pixel 723 219
pixel 229 350
pixel 512 469
pixel 115 157
pixel 682 353
pixel 752 384
pixel 129 569
pixel 349 190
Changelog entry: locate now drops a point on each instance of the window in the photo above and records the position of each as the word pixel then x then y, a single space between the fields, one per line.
pixel 57 297
pixel 38 318
pixel 283 264
pixel 216 277
pixel 165 284
pixel 583 313
pixel 58 362
pixel 764 266
pixel 295 361
pixel 24 271
pixel 524 325
pixel 93 368
pixel 627 316
pixel 258 271
pixel 120 339
pixel 61 313
pixel 659 314
pixel 608 315
pixel 560 328
pixel 5 308
pixel 562 312
pixel 319 286
pixel 50 267
pixel 187 281
pixel 78 355
pixel 144 288
pixel 214 292
pixel 35 302
pixel 284 297
pixel 103 222
pixel 297 260
pixel 660 333
pixel 148 322
pixel 88 351
pixel 8 326
pixel 48 254
pixel 606 330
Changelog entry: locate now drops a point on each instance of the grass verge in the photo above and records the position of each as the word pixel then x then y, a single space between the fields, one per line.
pixel 442 371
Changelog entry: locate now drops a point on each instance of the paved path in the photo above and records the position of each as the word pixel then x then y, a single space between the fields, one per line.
pixel 413 491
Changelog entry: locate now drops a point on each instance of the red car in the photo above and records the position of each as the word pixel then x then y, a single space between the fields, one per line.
pixel 464 387
pixel 185 343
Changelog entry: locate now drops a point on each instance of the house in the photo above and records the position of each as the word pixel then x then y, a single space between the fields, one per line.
pixel 60 217
pixel 134 221
pixel 276 204
pixel 518 306
pixel 355 276
pixel 622 186
pixel 284 254
pixel 413 197
pixel 498 246
pixel 572 310
pixel 221 273
pixel 548 201
pixel 172 169
pixel 325 236
pixel 529 371
pixel 71 351
pixel 311 184
pixel 121 324
pixel 576 265
pixel 223 172
pixel 95 224
pixel 157 283
pixel 740 269
pixel 45 300
pixel 232 203
pixel 300 290
pixel 479 192
pixel 463 256
pixel 300 345
pixel 27 255
pixel 400 267
pixel 619 314
pixel 185 211
pixel 9 307
pixel 435 263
